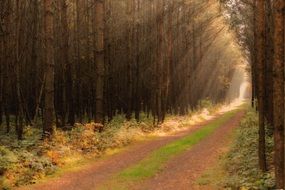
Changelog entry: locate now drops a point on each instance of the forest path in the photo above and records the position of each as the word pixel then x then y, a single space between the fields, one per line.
pixel 184 171
pixel 180 172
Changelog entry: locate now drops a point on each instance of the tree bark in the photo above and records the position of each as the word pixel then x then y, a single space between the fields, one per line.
pixel 159 60
pixel 268 74
pixel 68 65
pixel 137 99
pixel 278 92
pixel 260 66
pixel 130 34
pixel 18 73
pixel 99 38
pixel 49 64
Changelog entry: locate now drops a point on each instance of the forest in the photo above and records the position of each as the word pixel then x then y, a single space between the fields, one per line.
pixel 159 83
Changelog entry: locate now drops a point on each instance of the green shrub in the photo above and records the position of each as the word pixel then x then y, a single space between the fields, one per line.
pixel 33 168
pixel 117 121
pixel 7 159
pixel 205 104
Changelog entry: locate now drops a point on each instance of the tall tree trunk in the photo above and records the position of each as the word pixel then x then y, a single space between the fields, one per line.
pixel 278 92
pixel 78 81
pixel 68 65
pixel 2 62
pixel 109 98
pixel 18 72
pixel 268 74
pixel 99 38
pixel 6 70
pixel 194 60
pixel 168 66
pixel 253 58
pixel 49 64
pixel 260 66
pixel 159 60
pixel 137 8
pixel 130 34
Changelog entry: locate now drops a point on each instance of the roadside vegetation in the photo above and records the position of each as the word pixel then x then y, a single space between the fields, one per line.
pixel 241 162
pixel 238 168
pixel 32 159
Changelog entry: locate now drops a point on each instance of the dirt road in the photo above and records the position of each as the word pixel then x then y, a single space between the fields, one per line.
pixel 179 173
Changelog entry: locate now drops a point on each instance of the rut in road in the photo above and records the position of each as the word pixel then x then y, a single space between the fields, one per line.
pixel 183 171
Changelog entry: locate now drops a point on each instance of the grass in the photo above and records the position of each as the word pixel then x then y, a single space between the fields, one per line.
pixel 213 177
pixel 241 162
pixel 154 162
pixel 238 168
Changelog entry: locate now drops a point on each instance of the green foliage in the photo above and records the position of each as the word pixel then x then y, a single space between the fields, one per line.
pixel 33 168
pixel 241 162
pixel 20 167
pixel 7 159
pixel 205 103
pixel 117 121
pixel 23 162
pixel 209 105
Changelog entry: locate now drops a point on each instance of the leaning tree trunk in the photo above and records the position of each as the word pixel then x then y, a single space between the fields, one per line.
pixel 278 92
pixel 49 69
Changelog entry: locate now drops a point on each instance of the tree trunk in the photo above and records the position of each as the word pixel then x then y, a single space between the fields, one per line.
pixel 159 60
pixel 18 72
pixel 49 64
pixel 99 38
pixel 68 65
pixel 268 74
pixel 130 34
pixel 260 66
pixel 6 76
pixel 278 92
pixel 137 8
pixel 78 81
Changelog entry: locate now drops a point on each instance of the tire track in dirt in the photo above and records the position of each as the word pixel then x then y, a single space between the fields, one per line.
pixel 183 171
pixel 94 175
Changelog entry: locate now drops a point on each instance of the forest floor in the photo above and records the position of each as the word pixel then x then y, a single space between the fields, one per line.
pixel 176 161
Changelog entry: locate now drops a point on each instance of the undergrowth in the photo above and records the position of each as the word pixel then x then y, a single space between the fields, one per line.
pixel 241 162
pixel 26 162
pixel 30 160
